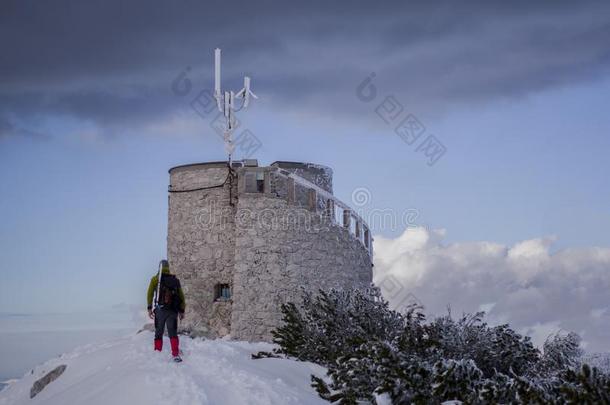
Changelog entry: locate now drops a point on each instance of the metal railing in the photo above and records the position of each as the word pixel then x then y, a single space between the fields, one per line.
pixel 337 211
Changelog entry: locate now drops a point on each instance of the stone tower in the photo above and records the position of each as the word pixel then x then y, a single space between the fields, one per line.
pixel 247 239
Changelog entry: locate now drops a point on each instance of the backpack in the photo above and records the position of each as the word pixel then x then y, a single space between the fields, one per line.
pixel 169 296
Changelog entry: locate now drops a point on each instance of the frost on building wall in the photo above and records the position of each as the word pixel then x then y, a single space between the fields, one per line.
pixel 246 240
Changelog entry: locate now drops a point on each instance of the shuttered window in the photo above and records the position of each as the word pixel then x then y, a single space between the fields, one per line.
pixel 222 292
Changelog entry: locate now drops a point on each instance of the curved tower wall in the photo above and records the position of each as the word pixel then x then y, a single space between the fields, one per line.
pixel 201 242
pixel 277 238
pixel 282 250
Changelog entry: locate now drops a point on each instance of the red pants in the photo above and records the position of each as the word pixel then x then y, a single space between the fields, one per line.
pixel 174 342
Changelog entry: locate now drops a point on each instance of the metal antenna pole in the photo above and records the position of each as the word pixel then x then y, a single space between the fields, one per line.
pixel 226 104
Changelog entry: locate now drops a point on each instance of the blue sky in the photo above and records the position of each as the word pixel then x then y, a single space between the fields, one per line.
pixel 89 125
pixel 84 219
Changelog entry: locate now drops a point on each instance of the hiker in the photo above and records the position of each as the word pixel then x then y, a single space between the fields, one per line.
pixel 169 305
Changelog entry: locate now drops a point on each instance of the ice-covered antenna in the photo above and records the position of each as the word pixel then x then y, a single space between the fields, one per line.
pixel 226 103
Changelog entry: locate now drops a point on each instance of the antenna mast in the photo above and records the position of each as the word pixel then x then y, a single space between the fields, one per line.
pixel 226 103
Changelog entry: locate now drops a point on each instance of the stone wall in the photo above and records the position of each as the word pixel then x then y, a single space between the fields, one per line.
pixel 266 248
pixel 281 249
pixel 201 244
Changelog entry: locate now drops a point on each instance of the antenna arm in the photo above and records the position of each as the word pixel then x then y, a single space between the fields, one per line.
pixel 243 104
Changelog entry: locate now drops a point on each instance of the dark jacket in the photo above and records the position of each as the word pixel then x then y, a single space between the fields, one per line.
pixel 152 288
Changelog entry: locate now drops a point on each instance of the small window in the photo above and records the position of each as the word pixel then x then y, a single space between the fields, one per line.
pixel 250 180
pixel 222 292
pixel 260 182
pixel 255 182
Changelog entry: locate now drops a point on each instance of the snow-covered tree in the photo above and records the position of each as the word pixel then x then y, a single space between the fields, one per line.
pixel 373 352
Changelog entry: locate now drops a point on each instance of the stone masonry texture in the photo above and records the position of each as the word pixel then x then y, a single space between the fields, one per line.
pixel 266 248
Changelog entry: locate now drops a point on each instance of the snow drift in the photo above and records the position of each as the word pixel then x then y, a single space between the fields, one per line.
pixel 127 371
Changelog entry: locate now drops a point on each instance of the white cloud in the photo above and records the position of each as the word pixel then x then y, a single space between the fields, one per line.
pixel 525 285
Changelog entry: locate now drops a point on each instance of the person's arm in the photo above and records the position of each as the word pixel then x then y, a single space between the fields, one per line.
pixel 182 300
pixel 150 294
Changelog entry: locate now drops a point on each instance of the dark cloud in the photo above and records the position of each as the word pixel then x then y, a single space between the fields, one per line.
pixel 7 129
pixel 112 62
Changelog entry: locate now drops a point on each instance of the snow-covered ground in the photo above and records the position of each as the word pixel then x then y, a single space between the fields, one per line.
pixel 30 339
pixel 127 371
